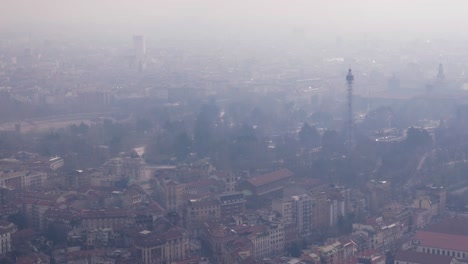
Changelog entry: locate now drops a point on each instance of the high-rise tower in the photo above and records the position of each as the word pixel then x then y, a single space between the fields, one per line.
pixel 139 46
pixel 350 124
pixel 440 73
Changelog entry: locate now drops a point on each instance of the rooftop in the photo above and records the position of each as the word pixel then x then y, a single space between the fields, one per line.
pixel 454 226
pixel 270 177
pixel 442 240
pixel 423 258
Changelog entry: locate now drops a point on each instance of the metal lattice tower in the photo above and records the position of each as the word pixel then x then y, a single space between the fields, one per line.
pixel 350 123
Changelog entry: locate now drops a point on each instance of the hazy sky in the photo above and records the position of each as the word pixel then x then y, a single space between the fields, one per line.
pixel 339 16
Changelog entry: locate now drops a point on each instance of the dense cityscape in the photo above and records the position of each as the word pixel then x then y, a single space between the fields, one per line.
pixel 275 149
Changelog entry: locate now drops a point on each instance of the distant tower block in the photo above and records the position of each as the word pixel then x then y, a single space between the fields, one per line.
pixel 18 128
pixel 440 73
pixel 350 124
pixel 139 46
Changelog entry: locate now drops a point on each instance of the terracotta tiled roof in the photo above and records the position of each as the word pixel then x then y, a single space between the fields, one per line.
pixel 158 238
pixel 84 254
pixel 104 213
pixel 422 258
pixel 455 226
pixel 194 259
pixel 25 234
pixel 254 229
pixel 204 203
pixel 65 214
pixel 204 183
pixel 270 177
pixel 442 241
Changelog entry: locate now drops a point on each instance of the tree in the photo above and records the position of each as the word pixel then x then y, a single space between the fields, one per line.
pixel 204 129
pixel 322 119
pixel 345 223
pixel 417 137
pixel 294 250
pixel 331 141
pixel 246 151
pixel 19 219
pixel 75 222
pixel 379 118
pixel 182 145
pixel 309 136
pixel 50 144
pixel 57 232
pixel 81 129
pixel 7 260
pixel 143 125
pixel 122 183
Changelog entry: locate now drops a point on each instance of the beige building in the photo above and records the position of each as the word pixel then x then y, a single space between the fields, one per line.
pixel 337 252
pixel 23 180
pixel 380 234
pixel 105 218
pixel 170 194
pixel 378 193
pixel 216 236
pixel 34 210
pixel 123 167
pixel 167 247
pixel 199 211
pixel 285 207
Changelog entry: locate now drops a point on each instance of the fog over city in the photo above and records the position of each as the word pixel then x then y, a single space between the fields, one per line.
pixel 180 17
pixel 233 132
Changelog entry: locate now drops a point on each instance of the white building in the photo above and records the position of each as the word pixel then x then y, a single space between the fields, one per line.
pixel 270 243
pixel 303 213
pixel 6 230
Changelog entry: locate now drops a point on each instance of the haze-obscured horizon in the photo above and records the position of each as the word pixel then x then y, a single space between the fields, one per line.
pixel 235 19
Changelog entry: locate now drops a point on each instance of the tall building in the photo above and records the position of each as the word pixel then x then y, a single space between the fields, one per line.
pixel 350 124
pixel 232 204
pixel 285 207
pixel 323 211
pixel 304 206
pixel 378 193
pixel 440 73
pixel 173 193
pixel 268 243
pixel 139 47
pixel 196 212
pixel 310 212
pixel 6 230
